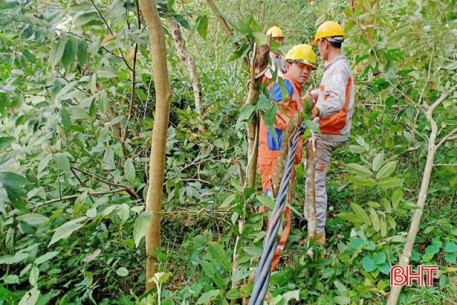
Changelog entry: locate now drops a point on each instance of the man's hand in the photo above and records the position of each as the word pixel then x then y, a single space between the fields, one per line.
pixel 315 113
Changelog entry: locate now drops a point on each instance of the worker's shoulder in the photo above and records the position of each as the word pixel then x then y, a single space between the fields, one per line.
pixel 276 92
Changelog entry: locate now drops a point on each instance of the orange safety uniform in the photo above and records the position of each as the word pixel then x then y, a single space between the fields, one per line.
pixel 269 147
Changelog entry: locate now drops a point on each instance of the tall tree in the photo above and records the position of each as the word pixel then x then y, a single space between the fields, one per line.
pixel 159 133
pixel 191 68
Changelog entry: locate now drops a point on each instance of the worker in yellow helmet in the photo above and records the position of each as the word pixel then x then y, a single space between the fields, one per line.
pixel 332 107
pixel 300 62
pixel 277 62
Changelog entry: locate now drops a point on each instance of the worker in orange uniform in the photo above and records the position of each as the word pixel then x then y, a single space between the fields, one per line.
pixel 332 109
pixel 300 62
pixel 277 62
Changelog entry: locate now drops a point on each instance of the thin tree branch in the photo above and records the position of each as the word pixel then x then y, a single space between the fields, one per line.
pixel 81 182
pixel 111 31
pixel 438 102
pixel 227 29
pixel 449 137
pixel 428 76
pixel 442 164
pixel 198 180
pixel 128 189
pixel 76 196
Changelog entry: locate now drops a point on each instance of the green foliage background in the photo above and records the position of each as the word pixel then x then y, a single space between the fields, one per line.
pixel 73 187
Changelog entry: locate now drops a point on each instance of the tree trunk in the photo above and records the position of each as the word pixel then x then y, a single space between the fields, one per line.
pixel 415 223
pixel 159 133
pixel 260 63
pixel 191 68
pixel 294 123
pixel 310 193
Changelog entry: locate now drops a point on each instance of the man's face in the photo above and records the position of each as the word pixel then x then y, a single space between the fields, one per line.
pixel 299 72
pixel 279 40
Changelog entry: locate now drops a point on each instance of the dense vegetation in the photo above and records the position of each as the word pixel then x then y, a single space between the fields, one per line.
pixel 77 108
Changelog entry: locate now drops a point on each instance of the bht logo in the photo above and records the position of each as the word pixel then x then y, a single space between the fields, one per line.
pixel 400 275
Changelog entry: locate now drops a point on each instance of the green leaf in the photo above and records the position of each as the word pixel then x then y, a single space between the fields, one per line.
pixel 12 179
pixel 29 56
pixel 386 170
pixel 65 230
pixel 368 264
pixel 311 125
pixel 451 258
pixel 82 51
pixel 202 26
pixel 254 251
pixel 13 259
pixel 208 296
pixel 233 294
pixel 451 247
pixel 129 170
pixel 245 114
pixel 30 297
pixel 359 169
pixel 6 141
pixel 86 17
pixel 45 257
pixel 141 226
pixel 33 276
pixel 57 51
pixel 377 162
pixel 356 243
pixel 170 4
pixel 62 162
pixel 33 219
pixel 432 249
pixel 228 200
pixel 65 118
pixel 78 113
pixel 219 255
pixel 362 180
pixel 108 159
pixel 374 220
pixel 360 212
pixel 266 201
pixel 122 271
pixel 340 287
pixel 44 163
pixel 350 217
pixel 69 53
pixel 380 258
pixel 389 182
pixel 383 227
pixel 286 297
pixel 16 196
pixel 208 268
pixel 342 300
pixel 385 268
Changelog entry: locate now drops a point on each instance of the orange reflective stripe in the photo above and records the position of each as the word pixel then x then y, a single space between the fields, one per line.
pixel 321 167
pixel 334 124
pixel 283 240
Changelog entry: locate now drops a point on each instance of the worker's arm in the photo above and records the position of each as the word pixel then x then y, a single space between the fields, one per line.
pixel 332 99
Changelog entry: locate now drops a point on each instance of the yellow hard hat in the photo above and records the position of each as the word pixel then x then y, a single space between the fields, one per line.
pixel 328 29
pixel 302 53
pixel 275 32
